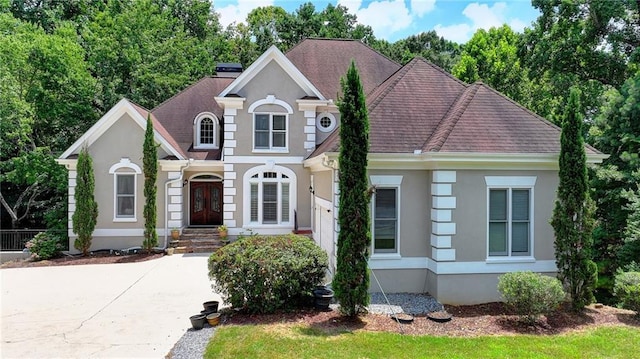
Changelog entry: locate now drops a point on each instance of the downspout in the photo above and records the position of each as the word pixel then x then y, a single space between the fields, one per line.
pixel 166 204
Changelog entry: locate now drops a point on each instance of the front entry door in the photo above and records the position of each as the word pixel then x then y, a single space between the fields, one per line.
pixel 206 203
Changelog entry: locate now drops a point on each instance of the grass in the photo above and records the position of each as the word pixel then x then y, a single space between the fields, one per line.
pixel 282 341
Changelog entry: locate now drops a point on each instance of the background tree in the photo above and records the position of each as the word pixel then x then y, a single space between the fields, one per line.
pixel 86 214
pixel 616 132
pixel 150 168
pixel 492 57
pixel 572 219
pixel 351 281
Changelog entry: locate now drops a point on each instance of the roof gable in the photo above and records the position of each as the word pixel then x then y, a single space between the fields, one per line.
pixel 139 115
pixel 272 54
pixel 325 61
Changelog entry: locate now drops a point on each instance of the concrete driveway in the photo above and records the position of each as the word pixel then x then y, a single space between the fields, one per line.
pixel 129 310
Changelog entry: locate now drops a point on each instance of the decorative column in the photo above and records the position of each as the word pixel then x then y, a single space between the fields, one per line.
pixel 442 205
pixel 174 198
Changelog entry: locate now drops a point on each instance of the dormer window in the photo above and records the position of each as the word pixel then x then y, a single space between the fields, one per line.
pixel 206 131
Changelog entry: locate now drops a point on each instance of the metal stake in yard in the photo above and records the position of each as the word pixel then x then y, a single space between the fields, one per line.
pixel 394 316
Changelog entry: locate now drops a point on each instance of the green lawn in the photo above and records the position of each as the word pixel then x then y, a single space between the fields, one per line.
pixel 273 341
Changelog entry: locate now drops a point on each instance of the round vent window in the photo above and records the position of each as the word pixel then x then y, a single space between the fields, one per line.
pixel 326 122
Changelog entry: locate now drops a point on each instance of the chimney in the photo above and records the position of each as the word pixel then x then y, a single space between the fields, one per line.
pixel 228 69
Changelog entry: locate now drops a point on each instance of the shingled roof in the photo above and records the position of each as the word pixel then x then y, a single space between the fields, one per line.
pixel 421 107
pixel 177 113
pixel 324 61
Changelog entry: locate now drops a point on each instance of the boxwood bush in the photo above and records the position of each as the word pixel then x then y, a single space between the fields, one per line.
pixel 627 290
pixel 262 274
pixel 531 294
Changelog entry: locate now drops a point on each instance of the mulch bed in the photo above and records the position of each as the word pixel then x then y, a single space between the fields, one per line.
pixel 467 321
pixel 95 258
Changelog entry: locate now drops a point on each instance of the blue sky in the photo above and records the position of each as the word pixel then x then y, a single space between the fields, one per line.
pixel 456 20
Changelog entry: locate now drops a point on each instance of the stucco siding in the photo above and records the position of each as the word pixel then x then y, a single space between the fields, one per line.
pixel 470 215
pixel 272 80
pixel 414 207
pixel 323 184
pixel 399 281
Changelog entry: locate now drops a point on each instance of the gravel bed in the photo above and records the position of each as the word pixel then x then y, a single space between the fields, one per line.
pixel 193 342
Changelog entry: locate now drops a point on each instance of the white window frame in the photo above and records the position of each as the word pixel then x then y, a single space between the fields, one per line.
pixel 288 110
pixel 328 115
pixel 248 180
pixel 125 167
pixel 394 182
pixel 511 183
pixel 197 128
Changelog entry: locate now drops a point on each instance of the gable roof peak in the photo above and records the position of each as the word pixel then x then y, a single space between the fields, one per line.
pixel 272 54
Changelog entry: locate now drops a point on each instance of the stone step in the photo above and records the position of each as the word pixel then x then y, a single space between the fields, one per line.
pixel 197 249
pixel 186 242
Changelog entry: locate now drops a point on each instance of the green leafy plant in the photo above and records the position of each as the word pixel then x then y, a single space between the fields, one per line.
pixel 44 246
pixel 150 167
pixel 351 282
pixel 573 214
pixel 265 273
pixel 86 214
pixel 530 294
pixel 627 290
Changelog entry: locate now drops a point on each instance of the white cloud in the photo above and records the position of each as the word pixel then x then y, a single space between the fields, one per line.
pixel 351 5
pixel 481 16
pixel 484 17
pixel 238 13
pixel 459 33
pixel 396 17
pixel 421 7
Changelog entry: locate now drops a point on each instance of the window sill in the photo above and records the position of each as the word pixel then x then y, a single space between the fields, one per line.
pixel 496 260
pixel 385 256
pixel 125 219
pixel 286 150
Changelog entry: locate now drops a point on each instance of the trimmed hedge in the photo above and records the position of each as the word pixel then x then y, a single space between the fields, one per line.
pixel 627 290
pixel 262 274
pixel 531 294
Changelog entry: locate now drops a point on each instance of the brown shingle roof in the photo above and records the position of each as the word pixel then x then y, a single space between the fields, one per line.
pixel 158 127
pixel 324 61
pixel 177 113
pixel 421 107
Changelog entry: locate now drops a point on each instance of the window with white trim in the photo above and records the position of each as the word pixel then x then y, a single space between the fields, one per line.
pixel 271 200
pixel 125 195
pixel 206 131
pixel 125 182
pixel 510 216
pixel 270 131
pixel 326 122
pixel 385 206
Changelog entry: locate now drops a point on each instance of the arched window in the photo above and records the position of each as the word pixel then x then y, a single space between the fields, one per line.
pixel 206 131
pixel 269 196
pixel 270 124
pixel 125 182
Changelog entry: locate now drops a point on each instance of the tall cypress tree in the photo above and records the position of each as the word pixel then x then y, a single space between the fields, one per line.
pixel 351 282
pixel 572 219
pixel 150 169
pixel 86 213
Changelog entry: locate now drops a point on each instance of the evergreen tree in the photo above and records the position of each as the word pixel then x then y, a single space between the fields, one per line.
pixel 86 214
pixel 351 281
pixel 150 168
pixel 573 213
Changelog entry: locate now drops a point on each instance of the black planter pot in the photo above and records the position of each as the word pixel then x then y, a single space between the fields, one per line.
pixel 211 306
pixel 197 321
pixel 322 297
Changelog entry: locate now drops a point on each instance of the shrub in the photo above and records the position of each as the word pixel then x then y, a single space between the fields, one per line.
pixel 265 273
pixel 531 294
pixel 627 290
pixel 44 246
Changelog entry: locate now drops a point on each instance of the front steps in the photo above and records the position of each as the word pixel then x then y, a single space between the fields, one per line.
pixel 197 240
